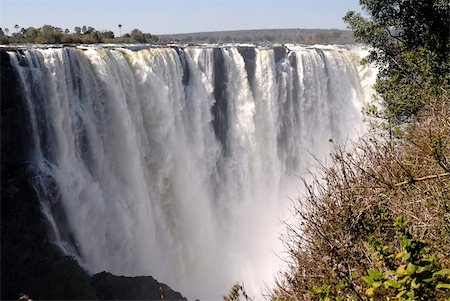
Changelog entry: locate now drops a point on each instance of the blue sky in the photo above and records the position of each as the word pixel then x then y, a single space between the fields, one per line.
pixel 176 16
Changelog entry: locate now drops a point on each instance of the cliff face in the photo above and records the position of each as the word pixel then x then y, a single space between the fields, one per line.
pixel 26 252
pixel 30 262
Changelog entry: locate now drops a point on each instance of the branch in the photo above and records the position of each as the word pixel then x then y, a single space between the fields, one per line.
pixel 395 37
pixel 423 178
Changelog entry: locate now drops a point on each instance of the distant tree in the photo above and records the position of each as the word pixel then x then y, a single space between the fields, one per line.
pixel 50 34
pixel 246 38
pixel 138 36
pixel 17 27
pixel 108 34
pixel 89 30
pixel 95 37
pixel 32 34
pixel 120 29
pixel 300 39
pixel 268 37
pixel 336 34
pixel 4 40
pixel 321 38
pixel 227 39
pixel 67 39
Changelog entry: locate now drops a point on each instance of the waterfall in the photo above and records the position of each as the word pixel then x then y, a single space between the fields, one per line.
pixel 178 162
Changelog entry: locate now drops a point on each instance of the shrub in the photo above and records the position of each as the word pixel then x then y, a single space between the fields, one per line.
pixel 345 219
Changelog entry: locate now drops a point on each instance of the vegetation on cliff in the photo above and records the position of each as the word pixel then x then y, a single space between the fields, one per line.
pixel 375 224
pixel 48 34
pixel 373 214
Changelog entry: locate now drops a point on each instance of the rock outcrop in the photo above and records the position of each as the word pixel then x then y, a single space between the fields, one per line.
pixel 111 287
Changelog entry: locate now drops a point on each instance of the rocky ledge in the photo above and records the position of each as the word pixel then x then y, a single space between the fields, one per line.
pixel 111 287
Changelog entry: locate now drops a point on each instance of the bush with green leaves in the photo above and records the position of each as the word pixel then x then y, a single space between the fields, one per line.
pixel 409 42
pixel 411 274
pixel 48 34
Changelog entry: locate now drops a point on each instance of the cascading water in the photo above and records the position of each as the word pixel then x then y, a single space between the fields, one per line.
pixel 178 162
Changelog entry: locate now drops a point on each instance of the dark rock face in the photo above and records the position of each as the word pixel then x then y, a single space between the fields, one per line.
pixel 30 262
pixel 110 287
pixel 26 252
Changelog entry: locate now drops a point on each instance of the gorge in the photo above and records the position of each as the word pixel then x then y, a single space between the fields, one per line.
pixel 178 162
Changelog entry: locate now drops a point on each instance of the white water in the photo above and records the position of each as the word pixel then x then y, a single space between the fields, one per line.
pixel 149 188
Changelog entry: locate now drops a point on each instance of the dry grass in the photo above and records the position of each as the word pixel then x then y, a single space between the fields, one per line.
pixel 359 196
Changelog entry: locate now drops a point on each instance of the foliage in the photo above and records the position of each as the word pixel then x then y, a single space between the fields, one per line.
pixel 48 34
pixel 343 245
pixel 236 292
pixel 140 37
pixel 410 45
pixel 411 274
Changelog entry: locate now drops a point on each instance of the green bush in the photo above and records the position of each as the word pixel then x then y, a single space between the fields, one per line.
pixel 410 45
pixel 411 274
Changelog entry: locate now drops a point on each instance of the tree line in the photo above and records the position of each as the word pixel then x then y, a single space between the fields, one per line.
pixel 48 34
pixel 266 36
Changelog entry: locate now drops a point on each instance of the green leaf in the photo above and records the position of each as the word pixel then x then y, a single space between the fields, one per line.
pixel 405 279
pixel 427 261
pixel 442 272
pixel 414 285
pixel 367 279
pixel 399 295
pixel 443 285
pixel 377 284
pixel 399 221
pixel 423 269
pixel 391 283
pixel 401 270
pixel 411 268
pixel 375 274
pixel 400 255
